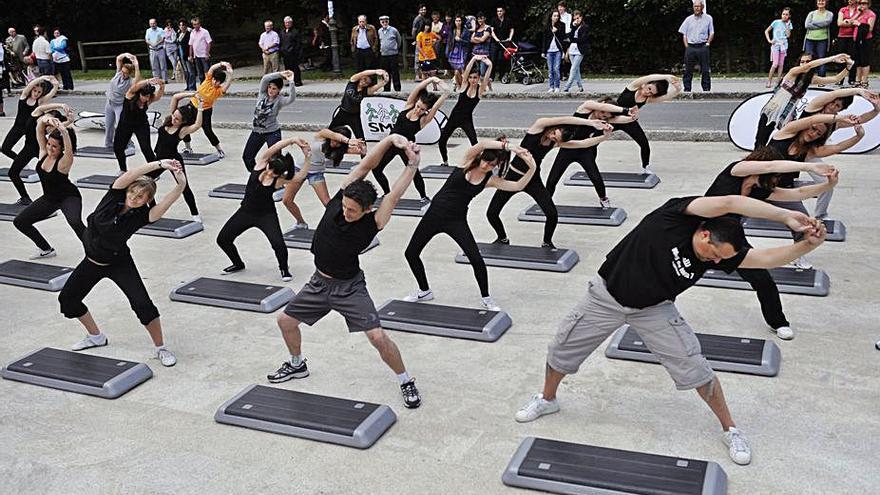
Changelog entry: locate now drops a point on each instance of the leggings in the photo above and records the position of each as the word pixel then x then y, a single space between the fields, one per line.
pixel 352 120
pixel 12 138
pixel 457 121
pixel 22 159
pixel 206 127
pixel 379 172
pixel 122 272
pixel 41 209
pixel 456 228
pixel 768 295
pixel 539 193
pixel 241 221
pixel 765 129
pixel 586 158
pixel 254 142
pixel 635 131
pixel 111 117
pixel 124 131
pixel 188 195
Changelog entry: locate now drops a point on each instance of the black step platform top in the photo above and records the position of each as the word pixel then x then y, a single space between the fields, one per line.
pixel 715 347
pixel 344 167
pixel 515 252
pixel 84 369
pixel 100 151
pixel 467 319
pixel 10 210
pixel 616 176
pixel 97 180
pixel 231 188
pixel 782 276
pixel 27 175
pixel 576 211
pixel 764 224
pixel 168 224
pixel 34 272
pixel 228 290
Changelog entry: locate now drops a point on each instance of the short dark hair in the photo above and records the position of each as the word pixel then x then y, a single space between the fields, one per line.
pixel 278 82
pixel 195 19
pixel 219 75
pixel 336 154
pixel 146 90
pixel 726 230
pixel 282 165
pixel 764 154
pixel 362 191
pixel 846 101
pixel 428 98
pixel 662 86
pixel 562 4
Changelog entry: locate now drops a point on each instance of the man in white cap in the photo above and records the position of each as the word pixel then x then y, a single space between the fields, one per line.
pixel 389 52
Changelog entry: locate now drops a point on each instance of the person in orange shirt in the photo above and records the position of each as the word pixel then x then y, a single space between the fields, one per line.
pixel 216 84
pixel 425 43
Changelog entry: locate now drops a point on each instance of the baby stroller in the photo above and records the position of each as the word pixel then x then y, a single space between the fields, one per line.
pixel 523 69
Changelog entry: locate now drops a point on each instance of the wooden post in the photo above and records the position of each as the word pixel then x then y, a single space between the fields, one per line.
pixel 82 56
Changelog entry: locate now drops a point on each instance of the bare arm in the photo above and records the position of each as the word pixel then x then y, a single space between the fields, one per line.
pixel 41 134
pixel 716 206
pixel 414 94
pixel 831 79
pixel 162 206
pixel 186 131
pixel 545 122
pixel 487 77
pixel 437 104
pixel 673 91
pixel 229 76
pixel 67 158
pixel 638 83
pixel 383 214
pixel 125 180
pixel 767 34
pixel 779 256
pixel 48 107
pixel 276 149
pixel 518 185
pixel 160 93
pixel 380 83
pixel 374 156
pixel 587 143
pixel 819 102
pixel 805 192
pixel 138 85
pixel 833 149
pixel 53 89
pixel 746 168
pixel 796 126
pixel 470 64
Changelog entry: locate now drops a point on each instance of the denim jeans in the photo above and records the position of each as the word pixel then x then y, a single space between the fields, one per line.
pixel 202 65
pixel 574 76
pixel 554 59
pixel 817 49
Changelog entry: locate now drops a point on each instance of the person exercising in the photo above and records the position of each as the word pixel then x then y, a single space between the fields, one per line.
pixel 133 120
pixel 266 128
pixel 462 115
pixel 349 225
pixel 654 88
pixel 216 84
pixel 359 86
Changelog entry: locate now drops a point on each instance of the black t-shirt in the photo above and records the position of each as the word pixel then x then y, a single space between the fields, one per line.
pixel 352 97
pixel 132 114
pixel 531 142
pixel 258 197
pixel 109 229
pixel 337 244
pixel 655 262
pixel 501 27
pixel 452 200
pixel 727 184
pixel 627 99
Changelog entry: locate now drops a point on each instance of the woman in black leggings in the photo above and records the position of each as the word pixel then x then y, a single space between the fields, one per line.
pixel 648 89
pixel 272 172
pixel 123 211
pixel 133 119
pixel 56 158
pixel 597 110
pixel 360 85
pixel 419 110
pixel 462 116
pixel 448 212
pixel 540 138
pixel 180 123
pixel 37 93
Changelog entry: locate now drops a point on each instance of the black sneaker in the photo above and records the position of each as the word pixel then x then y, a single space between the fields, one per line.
pixel 504 241
pixel 23 202
pixel 232 269
pixel 548 245
pixel 287 372
pixel 285 275
pixel 411 398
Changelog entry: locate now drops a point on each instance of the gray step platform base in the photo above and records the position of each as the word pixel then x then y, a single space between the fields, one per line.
pixel 173 228
pixel 236 191
pixel 580 215
pixel 302 239
pixel 524 257
pixel 28 175
pixel 724 353
pixel 789 280
pixel 77 372
pixel 571 468
pixel 759 227
pixel 407 207
pixel 437 171
pixel 34 275
pixel 630 180
pixel 444 321
pixel 233 295
pixel 315 417
pixel 8 211
pixel 344 168
pixel 101 152
pixel 200 159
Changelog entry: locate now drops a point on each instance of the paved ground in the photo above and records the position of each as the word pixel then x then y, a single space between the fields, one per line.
pixel 814 428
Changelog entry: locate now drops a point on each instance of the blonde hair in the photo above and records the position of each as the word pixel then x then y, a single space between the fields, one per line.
pixel 143 183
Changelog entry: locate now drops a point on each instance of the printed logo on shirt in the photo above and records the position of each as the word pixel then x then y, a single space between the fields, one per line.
pixel 681 264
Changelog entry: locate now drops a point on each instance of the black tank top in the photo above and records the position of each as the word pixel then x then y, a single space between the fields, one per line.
pixel 56 185
pixel 782 146
pixel 584 131
pixel 132 114
pixel 531 142
pixel 258 197
pixel 465 105
pixel 166 144
pixel 457 192
pixel 24 112
pixel 351 98
pixel 727 184
pixel 627 99
pixel 405 127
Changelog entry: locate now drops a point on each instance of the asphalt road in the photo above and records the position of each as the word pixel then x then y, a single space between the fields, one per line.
pixel 709 115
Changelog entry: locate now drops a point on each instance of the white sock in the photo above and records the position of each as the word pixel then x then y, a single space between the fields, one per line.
pixel 160 347
pixel 296 360
pixel 403 377
pixel 99 338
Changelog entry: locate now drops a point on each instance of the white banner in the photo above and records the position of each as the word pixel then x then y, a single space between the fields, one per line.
pixel 743 123
pixel 378 114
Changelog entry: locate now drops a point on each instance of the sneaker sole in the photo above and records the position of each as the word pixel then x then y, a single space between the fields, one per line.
pixel 412 406
pixel 536 417
pixel 91 346
pixel 288 377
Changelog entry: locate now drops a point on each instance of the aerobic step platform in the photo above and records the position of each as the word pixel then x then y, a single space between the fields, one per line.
pixel 571 468
pixel 200 159
pixel 170 227
pixel 97 181
pixel 236 191
pixel 344 168
pixel 788 279
pixel 759 227
pixel 733 354
pixel 444 321
pixel 437 171
pixel 524 257
pixel 630 180
pixel 233 295
pixel 406 207
pixel 8 211
pixel 101 152
pixel 302 239
pixel 28 175
pixel 315 417
pixel 34 275
pixel 581 215
pixel 77 372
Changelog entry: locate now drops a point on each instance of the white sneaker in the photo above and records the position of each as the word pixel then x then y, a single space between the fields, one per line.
pixel 649 170
pixel 187 150
pixel 49 253
pixel 784 333
pixel 802 263
pixel 220 153
pixel 166 357
pixel 197 219
pixel 550 90
pixel 605 203
pixel 489 304
pixel 301 226
pixel 535 408
pixel 90 341
pixel 420 296
pixel 738 447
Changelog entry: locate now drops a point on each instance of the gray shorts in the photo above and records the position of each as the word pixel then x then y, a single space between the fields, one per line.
pixel 348 297
pixel 661 327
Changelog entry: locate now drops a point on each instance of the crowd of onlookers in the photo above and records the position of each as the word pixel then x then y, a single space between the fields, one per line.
pixel 21 60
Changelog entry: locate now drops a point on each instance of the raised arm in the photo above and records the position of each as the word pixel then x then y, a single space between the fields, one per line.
pixel 517 185
pixel 796 126
pixel 780 256
pixel 470 64
pixel 589 142
pixel 291 93
pixel 819 102
pixel 158 211
pixel 41 133
pixel 874 100
pixel 276 149
pixel 53 89
pixel 374 156
pixel 159 92
pixel 307 161
pixel 671 93
pixel 364 73
pixel 414 94
pixel 48 107
pixel 230 75
pixel 138 85
pixel 186 131
pixel 638 83
pixel 437 104
pixel 746 168
pixel 66 161
pixel 545 122
pixel 806 192
pixel 380 82
pixel 716 206
pixel 389 202
pixel 833 149
pixel 476 150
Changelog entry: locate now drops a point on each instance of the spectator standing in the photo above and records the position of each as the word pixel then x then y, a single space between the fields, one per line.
pixel 189 69
pixel 502 32
pixel 419 21
pixel 364 44
pixel 457 48
pixel 291 49
pixel 61 59
pixel 200 49
pixel 321 42
pixel 863 37
pixel 43 51
pixel 155 39
pixel 390 42
pixel 846 33
pixel 269 43
pixel 777 34
pixel 697 32
pixel 566 18
pixel 553 48
pixel 426 41
pixel 818 33
pixel 20 46
pixel 169 36
pixel 443 49
pixel 437 28
pixel 480 39
pixel 580 43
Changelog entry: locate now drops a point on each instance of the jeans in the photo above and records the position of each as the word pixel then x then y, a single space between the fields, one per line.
pixel 574 75
pixel 158 64
pixel 554 59
pixel 172 53
pixel 694 55
pixel 817 48
pixel 189 71
pixel 202 65
pixel 45 67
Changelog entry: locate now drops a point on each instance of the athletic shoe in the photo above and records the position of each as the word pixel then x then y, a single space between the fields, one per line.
pixel 285 275
pixel 301 226
pixel 89 342
pixel 877 345
pixel 605 202
pixel 488 303
pixel 23 202
pixel 535 408
pixel 49 253
pixel 444 164
pixel 420 296
pixel 802 263
pixel 648 169
pixel 738 447
pixel 784 333
pixel 232 269
pixel 548 245
pixel 550 90
pixel 166 357
pixel 221 153
pixel 501 241
pixel 411 398
pixel 197 219
pixel 187 150
pixel 288 371
pixel 424 200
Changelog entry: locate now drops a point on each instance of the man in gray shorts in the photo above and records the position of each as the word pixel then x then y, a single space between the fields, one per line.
pixel 348 226
pixel 665 254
